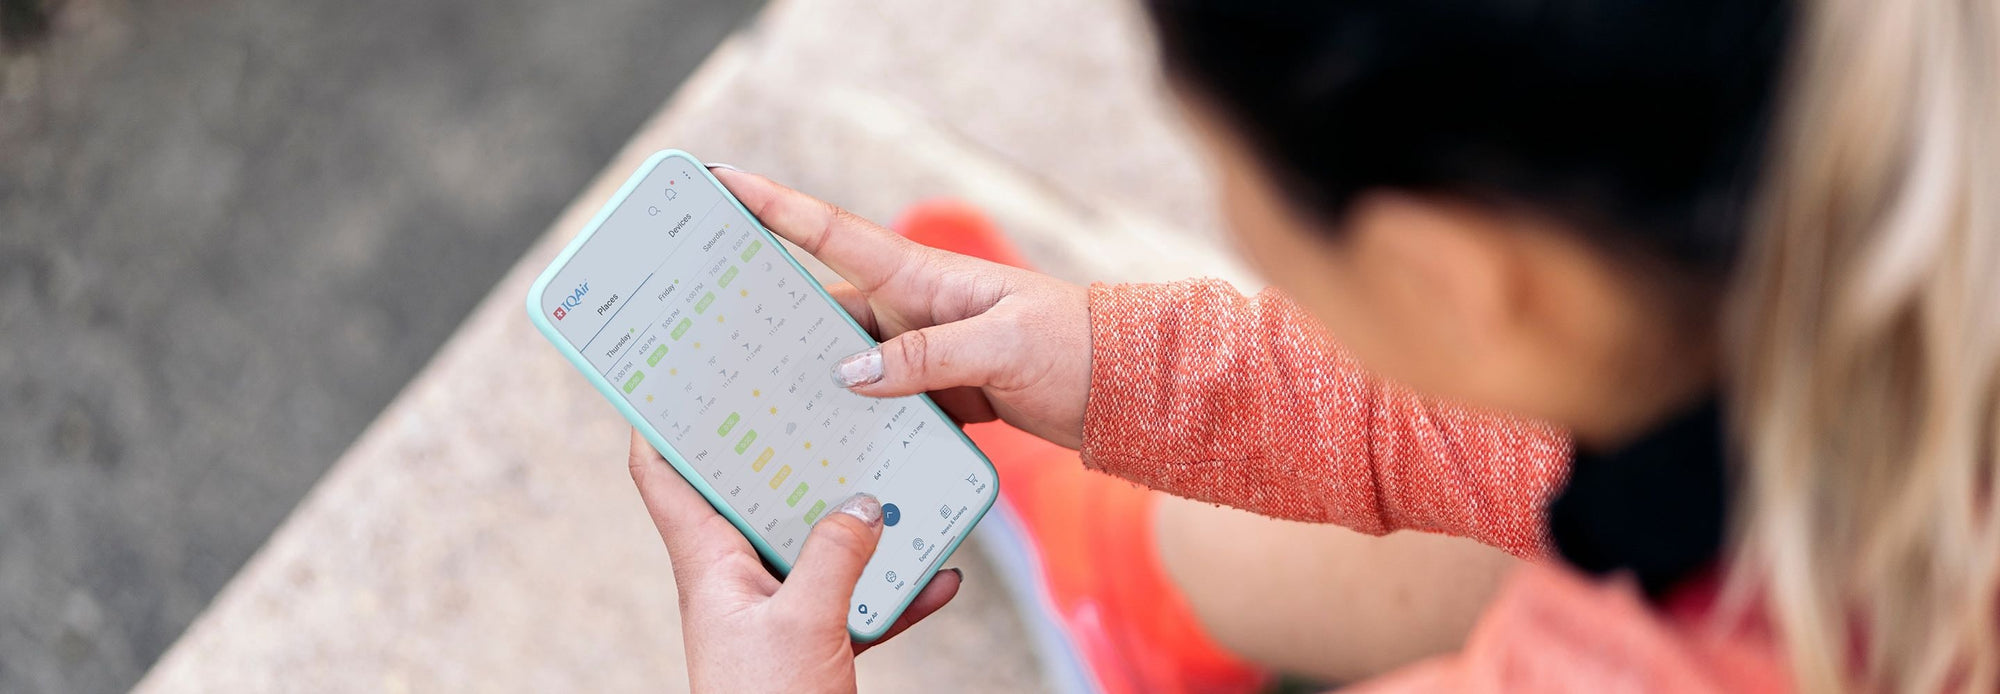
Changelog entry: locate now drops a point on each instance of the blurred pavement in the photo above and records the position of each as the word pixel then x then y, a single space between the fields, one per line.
pixel 482 533
pixel 230 232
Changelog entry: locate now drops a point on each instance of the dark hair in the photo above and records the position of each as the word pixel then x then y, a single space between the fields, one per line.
pixel 1641 122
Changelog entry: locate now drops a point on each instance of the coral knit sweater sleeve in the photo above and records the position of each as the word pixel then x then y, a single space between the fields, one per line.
pixel 1200 391
pixel 1203 392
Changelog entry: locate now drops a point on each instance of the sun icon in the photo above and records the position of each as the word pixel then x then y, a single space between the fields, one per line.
pixel 649 398
pixel 742 292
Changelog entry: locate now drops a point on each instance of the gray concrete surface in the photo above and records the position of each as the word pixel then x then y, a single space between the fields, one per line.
pixel 230 232
pixel 482 535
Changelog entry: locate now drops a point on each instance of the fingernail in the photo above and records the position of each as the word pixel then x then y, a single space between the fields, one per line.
pixel 859 369
pixel 960 574
pixel 725 167
pixel 863 507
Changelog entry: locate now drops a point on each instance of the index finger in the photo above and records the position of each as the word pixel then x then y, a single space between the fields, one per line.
pixel 862 252
pixel 687 524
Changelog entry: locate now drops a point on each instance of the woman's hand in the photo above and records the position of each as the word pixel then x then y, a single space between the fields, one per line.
pixel 983 338
pixel 744 630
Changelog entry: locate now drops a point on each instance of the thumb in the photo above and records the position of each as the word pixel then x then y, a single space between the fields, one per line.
pixel 963 353
pixel 834 555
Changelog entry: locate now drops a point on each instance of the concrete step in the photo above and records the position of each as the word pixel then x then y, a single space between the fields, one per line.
pixel 483 534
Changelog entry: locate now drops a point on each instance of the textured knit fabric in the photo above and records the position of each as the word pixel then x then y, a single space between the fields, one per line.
pixel 1202 392
pixel 1551 630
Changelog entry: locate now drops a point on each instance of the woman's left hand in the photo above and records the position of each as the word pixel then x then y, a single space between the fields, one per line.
pixel 747 632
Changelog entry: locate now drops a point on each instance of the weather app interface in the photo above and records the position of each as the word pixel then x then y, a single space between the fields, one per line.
pixel 726 349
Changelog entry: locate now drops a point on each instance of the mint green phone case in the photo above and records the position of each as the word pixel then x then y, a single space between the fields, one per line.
pixel 659 442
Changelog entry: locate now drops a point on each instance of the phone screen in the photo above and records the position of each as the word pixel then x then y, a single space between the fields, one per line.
pixel 694 316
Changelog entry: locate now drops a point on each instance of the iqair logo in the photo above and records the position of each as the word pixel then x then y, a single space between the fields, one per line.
pixel 574 300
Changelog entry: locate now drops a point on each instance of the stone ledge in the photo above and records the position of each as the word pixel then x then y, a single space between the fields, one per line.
pixel 482 534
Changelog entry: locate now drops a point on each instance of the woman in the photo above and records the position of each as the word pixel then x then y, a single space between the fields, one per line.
pixel 1743 252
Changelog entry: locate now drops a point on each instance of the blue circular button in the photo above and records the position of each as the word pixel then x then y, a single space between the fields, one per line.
pixel 891 514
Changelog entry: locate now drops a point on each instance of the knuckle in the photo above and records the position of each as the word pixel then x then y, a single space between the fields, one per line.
pixel 731 562
pixel 714 525
pixel 843 533
pixel 989 288
pixel 694 565
pixel 833 217
pixel 639 463
pixel 914 351
pixel 843 217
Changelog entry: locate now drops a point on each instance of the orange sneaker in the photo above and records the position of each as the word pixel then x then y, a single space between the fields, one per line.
pixel 1076 546
pixel 958 227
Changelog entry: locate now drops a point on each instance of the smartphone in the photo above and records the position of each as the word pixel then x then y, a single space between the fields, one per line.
pixel 712 340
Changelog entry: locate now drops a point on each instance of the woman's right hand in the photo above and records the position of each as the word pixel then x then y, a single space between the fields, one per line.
pixel 986 340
